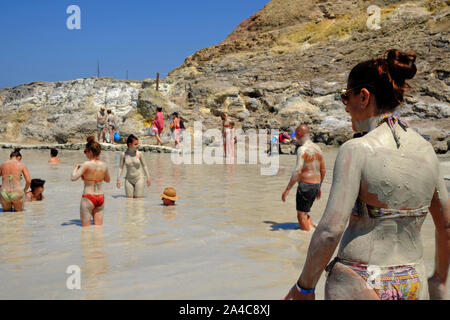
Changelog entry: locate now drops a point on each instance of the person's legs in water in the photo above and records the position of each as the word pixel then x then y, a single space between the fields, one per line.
pixel 304 220
pixel 18 205
pixel 98 216
pixel 139 187
pixel 86 207
pixel 306 194
pixel 6 205
pixel 129 189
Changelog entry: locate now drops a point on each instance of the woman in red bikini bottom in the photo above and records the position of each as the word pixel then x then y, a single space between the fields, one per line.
pixel 93 172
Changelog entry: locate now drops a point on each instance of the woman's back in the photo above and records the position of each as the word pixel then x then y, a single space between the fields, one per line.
pixel 391 178
pixel 93 176
pixel 11 172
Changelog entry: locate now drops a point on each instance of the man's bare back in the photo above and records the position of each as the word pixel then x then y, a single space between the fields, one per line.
pixel 310 163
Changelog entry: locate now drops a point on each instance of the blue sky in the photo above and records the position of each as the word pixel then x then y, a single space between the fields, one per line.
pixel 143 37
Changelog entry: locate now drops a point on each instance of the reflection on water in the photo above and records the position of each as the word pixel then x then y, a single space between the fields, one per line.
pixel 95 260
pixel 229 236
pixel 15 245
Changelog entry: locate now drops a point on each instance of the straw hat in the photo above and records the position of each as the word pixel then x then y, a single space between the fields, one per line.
pixel 169 193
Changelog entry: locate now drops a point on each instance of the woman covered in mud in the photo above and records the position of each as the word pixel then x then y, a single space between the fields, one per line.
pixel 11 192
pixel 384 184
pixel 93 172
pixel 137 173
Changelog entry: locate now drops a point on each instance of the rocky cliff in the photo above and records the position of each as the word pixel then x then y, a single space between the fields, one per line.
pixel 282 66
pixel 286 63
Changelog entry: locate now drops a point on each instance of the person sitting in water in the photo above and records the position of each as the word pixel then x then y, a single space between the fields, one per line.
pixel 137 172
pixel 37 189
pixel 169 196
pixel 93 172
pixel 54 156
pixel 309 173
pixel 11 193
pixel 384 184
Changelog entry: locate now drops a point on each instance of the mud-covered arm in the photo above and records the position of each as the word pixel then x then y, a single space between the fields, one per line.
pixel 144 166
pixel 78 171
pixel 440 211
pixel 343 194
pixel 121 164
pixel 295 176
pixel 322 169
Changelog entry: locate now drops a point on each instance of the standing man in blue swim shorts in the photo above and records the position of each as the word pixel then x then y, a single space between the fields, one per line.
pixel 309 173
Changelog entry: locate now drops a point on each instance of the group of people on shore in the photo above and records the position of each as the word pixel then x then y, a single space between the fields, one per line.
pixel 176 127
pixel 107 126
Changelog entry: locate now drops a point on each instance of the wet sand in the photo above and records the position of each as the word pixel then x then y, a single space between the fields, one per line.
pixel 229 237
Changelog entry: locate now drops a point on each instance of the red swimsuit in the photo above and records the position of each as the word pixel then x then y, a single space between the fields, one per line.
pixel 96 199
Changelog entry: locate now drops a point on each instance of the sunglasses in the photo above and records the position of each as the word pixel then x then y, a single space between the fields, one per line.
pixel 345 94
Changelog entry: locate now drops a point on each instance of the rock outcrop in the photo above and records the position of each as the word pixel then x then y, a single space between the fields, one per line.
pixel 286 63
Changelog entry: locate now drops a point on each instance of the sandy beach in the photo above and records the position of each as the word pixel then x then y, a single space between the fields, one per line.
pixel 229 237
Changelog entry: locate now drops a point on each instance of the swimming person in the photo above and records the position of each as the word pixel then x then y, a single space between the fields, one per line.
pixel 135 163
pixel 11 193
pixel 309 173
pixel 158 125
pixel 169 196
pixel 384 184
pixel 54 156
pixel 37 189
pixel 93 172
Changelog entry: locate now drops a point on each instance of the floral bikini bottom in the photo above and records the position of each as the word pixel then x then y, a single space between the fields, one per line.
pixel 389 283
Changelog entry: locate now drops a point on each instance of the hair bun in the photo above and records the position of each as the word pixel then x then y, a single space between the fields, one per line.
pixel 401 65
pixel 90 139
pixel 17 150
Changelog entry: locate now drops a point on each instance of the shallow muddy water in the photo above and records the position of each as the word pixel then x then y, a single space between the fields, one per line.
pixel 229 237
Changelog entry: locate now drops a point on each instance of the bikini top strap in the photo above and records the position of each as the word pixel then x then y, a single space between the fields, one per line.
pixel 390 119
